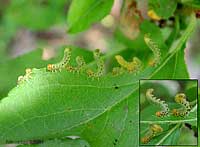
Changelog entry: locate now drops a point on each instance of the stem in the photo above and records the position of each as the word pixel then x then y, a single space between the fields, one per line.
pixel 169 121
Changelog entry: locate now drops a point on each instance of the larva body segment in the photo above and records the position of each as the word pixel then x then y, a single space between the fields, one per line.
pixel 131 67
pixel 154 48
pixel 180 98
pixel 62 64
pixel 80 65
pixel 145 139
pixel 156 101
pixel 100 65
pixel 117 71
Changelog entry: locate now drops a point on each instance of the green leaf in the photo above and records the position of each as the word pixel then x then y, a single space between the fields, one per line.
pixel 163 8
pixel 191 3
pixel 60 143
pixel 53 105
pixel 116 127
pixel 38 16
pixel 83 13
pixel 192 90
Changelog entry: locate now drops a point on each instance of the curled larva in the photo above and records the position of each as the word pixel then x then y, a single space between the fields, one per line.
pixel 156 101
pixel 100 65
pixel 180 98
pixel 63 63
pixel 154 129
pixel 133 66
pixel 80 65
pixel 24 78
pixel 155 49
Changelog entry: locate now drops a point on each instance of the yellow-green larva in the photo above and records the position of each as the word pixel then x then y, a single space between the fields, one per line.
pixel 155 49
pixel 154 129
pixel 100 65
pixel 156 101
pixel 180 98
pixel 63 63
pixel 133 66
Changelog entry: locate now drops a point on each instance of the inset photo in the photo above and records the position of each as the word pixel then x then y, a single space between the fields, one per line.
pixel 168 112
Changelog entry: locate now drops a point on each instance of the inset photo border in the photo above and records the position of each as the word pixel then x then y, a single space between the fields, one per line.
pixel 168 112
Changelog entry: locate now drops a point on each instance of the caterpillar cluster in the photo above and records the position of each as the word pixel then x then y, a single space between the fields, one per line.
pixel 62 64
pixel 154 100
pixel 155 49
pixel 180 98
pixel 24 78
pixel 100 65
pixel 132 67
pixel 154 129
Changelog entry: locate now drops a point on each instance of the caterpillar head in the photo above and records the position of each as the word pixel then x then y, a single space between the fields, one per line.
pixel 147 37
pixel 28 71
pixel 149 92
pixel 80 60
pixel 159 114
pixel 67 50
pixel 20 79
pixel 50 67
pixel 180 97
pixel 145 139
pixel 97 53
pixel 119 58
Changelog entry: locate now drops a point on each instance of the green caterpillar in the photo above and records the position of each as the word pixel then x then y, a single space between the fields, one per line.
pixel 100 65
pixel 132 67
pixel 180 98
pixel 62 64
pixel 153 131
pixel 155 49
pixel 162 104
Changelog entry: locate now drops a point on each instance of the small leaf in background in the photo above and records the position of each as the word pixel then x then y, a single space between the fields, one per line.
pixel 83 13
pixel 45 14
